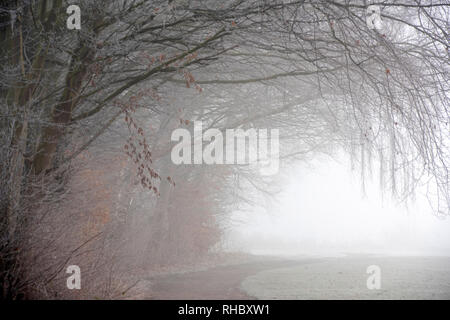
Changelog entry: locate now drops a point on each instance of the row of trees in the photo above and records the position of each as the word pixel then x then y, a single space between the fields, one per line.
pixel 86 118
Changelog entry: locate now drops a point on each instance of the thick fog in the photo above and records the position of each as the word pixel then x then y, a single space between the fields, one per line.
pixel 150 147
pixel 323 210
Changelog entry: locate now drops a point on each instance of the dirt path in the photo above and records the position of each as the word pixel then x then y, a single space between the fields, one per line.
pixel 216 283
pixel 403 277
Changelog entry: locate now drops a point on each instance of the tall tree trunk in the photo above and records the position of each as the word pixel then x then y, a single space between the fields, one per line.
pixel 160 218
pixel 16 176
pixel 159 228
pixel 62 113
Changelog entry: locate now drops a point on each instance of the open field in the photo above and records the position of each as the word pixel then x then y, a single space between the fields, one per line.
pixel 345 278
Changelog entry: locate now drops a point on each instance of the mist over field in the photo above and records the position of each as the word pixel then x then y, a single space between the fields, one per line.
pixel 323 210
